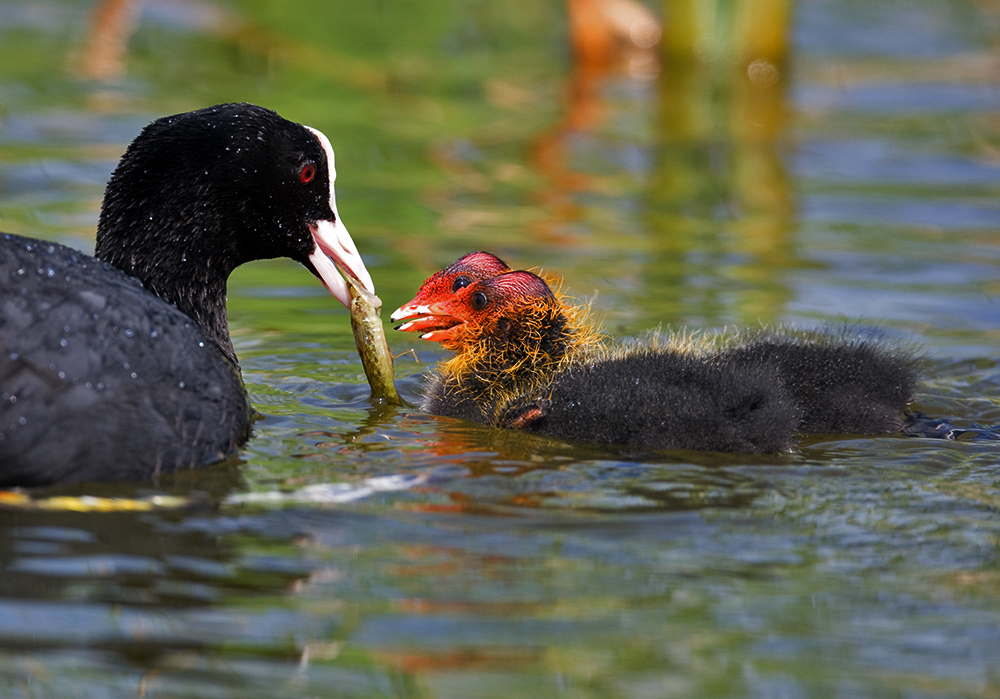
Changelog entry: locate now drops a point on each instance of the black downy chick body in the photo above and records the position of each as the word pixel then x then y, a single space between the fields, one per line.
pixel 526 360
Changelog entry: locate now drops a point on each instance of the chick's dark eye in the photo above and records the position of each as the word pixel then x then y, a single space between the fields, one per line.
pixel 307 173
pixel 460 283
pixel 479 301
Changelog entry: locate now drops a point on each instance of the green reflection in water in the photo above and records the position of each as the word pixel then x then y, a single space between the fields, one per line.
pixel 860 185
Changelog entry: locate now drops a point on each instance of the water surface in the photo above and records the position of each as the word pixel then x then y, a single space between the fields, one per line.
pixel 434 558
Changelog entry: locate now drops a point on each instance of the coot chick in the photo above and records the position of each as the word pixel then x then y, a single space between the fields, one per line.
pixel 469 268
pixel 120 366
pixel 527 360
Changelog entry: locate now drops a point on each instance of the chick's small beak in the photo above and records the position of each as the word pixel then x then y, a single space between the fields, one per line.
pixel 335 247
pixel 410 310
pixel 432 321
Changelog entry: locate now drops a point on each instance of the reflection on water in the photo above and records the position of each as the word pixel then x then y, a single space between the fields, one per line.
pixel 849 176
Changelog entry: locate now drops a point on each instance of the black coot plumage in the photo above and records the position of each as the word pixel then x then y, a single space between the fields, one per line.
pixel 527 360
pixel 120 366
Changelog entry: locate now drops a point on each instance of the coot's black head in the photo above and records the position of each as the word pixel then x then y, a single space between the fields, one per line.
pixel 198 194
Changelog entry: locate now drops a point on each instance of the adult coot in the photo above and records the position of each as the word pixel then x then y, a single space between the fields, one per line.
pixel 525 359
pixel 120 366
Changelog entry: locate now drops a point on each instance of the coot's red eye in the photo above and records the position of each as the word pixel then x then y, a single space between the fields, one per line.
pixel 307 173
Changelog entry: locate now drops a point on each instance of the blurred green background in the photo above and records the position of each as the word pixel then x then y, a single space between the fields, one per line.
pixel 698 164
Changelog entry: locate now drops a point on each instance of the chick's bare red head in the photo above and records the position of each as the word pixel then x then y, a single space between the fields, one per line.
pixel 467 269
pixel 481 309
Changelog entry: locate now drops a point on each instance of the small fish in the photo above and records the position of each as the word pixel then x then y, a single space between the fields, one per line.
pixel 369 336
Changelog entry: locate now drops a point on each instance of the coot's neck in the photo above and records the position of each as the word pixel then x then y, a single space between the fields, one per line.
pixel 196 285
pixel 178 268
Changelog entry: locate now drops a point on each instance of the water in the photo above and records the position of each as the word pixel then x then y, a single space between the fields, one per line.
pixel 413 556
